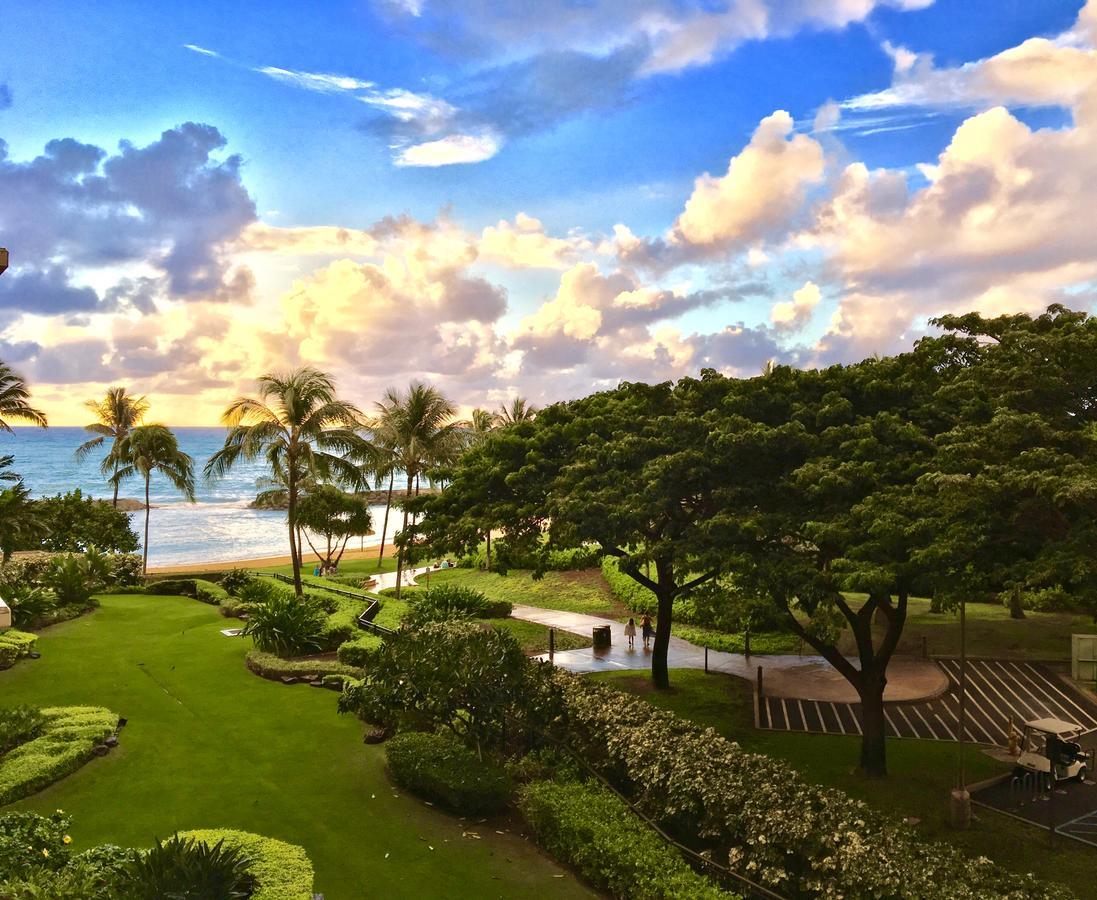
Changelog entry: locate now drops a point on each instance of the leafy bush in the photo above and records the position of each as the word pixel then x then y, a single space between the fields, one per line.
pixel 187 868
pixel 342 622
pixel 587 827
pixel 795 837
pixel 286 626
pixel 361 582
pixel 505 558
pixel 92 875
pixel 126 569
pixel 29 842
pixel 259 591
pixel 441 769
pixel 209 592
pixel 14 645
pixel 353 652
pixel 18 724
pixel 72 580
pixel 270 666
pixel 63 743
pixel 763 642
pixel 76 522
pixel 448 602
pixel 281 871
pixel 234 580
pixel 29 604
pixel 183 587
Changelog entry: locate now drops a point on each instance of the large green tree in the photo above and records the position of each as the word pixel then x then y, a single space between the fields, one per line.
pixel 302 430
pixel 15 400
pixel 149 450
pixel 76 522
pixel 116 415
pixel 335 516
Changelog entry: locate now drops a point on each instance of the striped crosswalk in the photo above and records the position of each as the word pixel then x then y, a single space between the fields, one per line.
pixel 998 692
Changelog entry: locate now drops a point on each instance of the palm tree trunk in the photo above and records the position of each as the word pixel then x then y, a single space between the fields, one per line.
pixel 400 551
pixel 145 558
pixel 114 502
pixel 385 527
pixel 294 551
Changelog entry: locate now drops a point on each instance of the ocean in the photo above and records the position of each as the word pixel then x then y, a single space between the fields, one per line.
pixel 216 528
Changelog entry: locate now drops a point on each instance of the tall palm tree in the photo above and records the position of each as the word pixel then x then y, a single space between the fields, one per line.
pixel 480 424
pixel 20 524
pixel 15 400
pixel 116 415
pixel 419 427
pixel 302 430
pixel 518 410
pixel 149 449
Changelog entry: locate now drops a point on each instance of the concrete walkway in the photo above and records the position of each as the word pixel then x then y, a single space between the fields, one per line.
pixel 784 675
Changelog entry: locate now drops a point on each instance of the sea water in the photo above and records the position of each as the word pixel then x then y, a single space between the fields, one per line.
pixel 217 527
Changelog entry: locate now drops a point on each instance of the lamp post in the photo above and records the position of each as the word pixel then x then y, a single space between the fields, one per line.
pixel 3 260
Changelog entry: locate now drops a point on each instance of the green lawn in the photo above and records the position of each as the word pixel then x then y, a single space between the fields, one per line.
pixel 582 591
pixel 210 745
pixel 921 774
pixel 347 567
pixel 990 632
pixel 534 637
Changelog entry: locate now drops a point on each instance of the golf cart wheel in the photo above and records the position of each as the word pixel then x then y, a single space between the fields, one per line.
pixel 1081 776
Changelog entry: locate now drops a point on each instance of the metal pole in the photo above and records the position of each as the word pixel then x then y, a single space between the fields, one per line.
pixel 552 642
pixel 706 659
pixel 963 690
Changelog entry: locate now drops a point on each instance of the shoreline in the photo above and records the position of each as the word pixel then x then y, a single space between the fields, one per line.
pixel 259 562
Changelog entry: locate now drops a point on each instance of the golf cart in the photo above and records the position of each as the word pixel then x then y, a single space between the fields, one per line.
pixel 1050 746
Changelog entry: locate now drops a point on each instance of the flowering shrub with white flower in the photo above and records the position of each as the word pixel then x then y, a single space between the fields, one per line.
pixel 798 838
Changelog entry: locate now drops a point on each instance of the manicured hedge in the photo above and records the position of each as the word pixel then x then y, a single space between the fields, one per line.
pixel 353 652
pixel 64 742
pixel 270 666
pixel 209 592
pixel 441 769
pixel 14 645
pixel 282 871
pixel 768 822
pixel 588 828
pixel 181 586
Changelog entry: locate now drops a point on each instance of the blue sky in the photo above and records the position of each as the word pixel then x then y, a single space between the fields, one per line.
pixel 582 117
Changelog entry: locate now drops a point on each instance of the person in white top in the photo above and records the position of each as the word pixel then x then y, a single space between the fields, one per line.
pixel 630 633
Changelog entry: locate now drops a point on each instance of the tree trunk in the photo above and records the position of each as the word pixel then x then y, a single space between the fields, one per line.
pixel 400 549
pixel 489 551
pixel 1016 603
pixel 114 502
pixel 873 752
pixel 145 556
pixel 291 513
pixel 385 527
pixel 660 674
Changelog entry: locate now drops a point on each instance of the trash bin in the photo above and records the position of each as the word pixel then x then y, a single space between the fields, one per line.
pixel 602 637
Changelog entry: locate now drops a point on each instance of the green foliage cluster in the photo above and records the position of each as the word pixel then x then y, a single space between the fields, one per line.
pixel 18 724
pixel 282 871
pixel 447 602
pixel 185 867
pixel 270 666
pixel 29 841
pixel 354 651
pixel 504 557
pixel 762 816
pixel 735 642
pixel 287 626
pixel 441 769
pixel 587 827
pixel 14 645
pixel 47 588
pixel 74 522
pixel 62 743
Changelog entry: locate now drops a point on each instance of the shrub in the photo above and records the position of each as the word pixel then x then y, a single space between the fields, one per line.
pixel 234 580
pixel 342 622
pixel 18 724
pixel 270 666
pixel 361 582
pixel 29 842
pixel 29 604
pixel 258 591
pixel 281 871
pixel 635 596
pixel 92 875
pixel 209 592
pixel 587 827
pixel 126 569
pixel 63 743
pixel 353 652
pixel 286 626
pixel 441 769
pixel 76 522
pixel 14 645
pixel 183 587
pixel 451 601
pixel 504 558
pixel 71 580
pixel 183 867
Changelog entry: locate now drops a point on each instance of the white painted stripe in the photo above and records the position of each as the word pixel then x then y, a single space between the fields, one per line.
pixel 918 710
pixel 894 730
pixel 972 699
pixel 784 712
pixel 838 718
pixel 948 731
pixel 903 713
pixel 856 721
pixel 803 717
pixel 1012 705
pixel 1022 703
pixel 999 719
pixel 1090 720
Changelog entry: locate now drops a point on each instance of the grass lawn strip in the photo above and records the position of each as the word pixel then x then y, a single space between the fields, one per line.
pixel 65 741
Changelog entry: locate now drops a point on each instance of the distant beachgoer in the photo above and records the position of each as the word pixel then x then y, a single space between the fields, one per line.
pixel 630 633
pixel 316 571
pixel 648 629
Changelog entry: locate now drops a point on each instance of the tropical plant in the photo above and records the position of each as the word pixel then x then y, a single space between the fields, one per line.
pixel 185 869
pixel 336 516
pixel 301 429
pixel 151 449
pixel 419 428
pixel 71 580
pixel 15 400
pixel 518 410
pixel 116 415
pixel 29 603
pixel 74 522
pixel 21 526
pixel 286 625
pixel 448 602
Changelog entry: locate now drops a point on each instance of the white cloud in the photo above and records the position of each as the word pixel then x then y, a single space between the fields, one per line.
pixel 196 49
pixel 524 244
pixel 791 315
pixel 454 149
pixel 315 81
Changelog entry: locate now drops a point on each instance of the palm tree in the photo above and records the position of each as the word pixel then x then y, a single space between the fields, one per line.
pixel 519 410
pixel 481 424
pixel 14 400
pixel 149 449
pixel 419 427
pixel 115 416
pixel 20 524
pixel 302 430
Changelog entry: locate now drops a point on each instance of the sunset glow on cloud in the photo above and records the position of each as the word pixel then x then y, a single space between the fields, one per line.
pixel 613 191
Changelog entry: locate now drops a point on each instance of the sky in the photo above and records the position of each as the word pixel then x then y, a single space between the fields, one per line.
pixel 542 199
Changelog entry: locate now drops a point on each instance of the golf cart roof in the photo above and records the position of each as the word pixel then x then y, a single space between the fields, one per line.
pixel 1053 726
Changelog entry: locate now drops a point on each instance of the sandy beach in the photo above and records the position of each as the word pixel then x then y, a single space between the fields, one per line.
pixel 263 561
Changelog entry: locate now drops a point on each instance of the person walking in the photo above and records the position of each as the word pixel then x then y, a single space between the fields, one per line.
pixel 649 631
pixel 630 633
